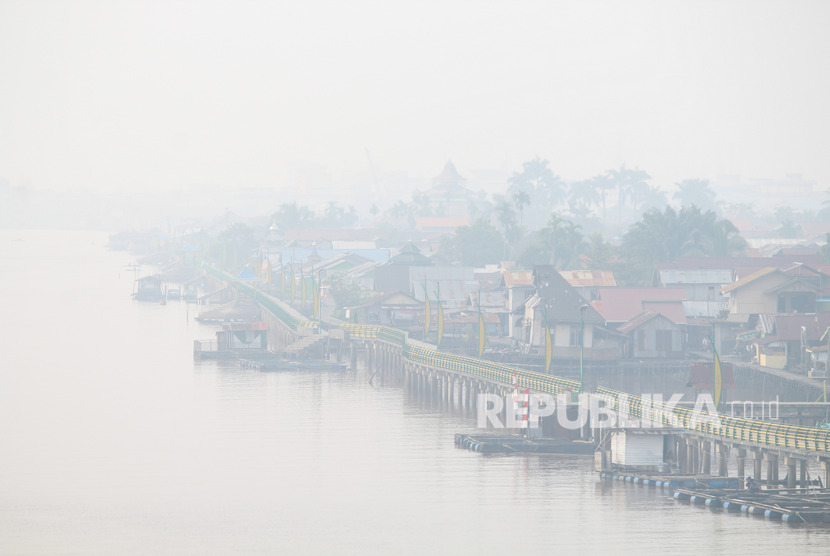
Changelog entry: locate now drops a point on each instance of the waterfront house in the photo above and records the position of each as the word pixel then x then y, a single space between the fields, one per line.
pixel 573 323
pixel 651 335
pixel 395 309
pixel 772 290
pixel 518 287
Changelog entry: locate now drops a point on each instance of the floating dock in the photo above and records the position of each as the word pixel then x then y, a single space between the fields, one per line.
pixel 807 505
pixel 513 443
pixel 285 365
pixel 671 481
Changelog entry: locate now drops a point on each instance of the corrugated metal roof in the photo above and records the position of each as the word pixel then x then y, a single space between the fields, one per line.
pixel 697 276
pixel 587 278
pixel 752 277
pixel 637 321
pixel 455 283
pixel 514 278
pixel 766 323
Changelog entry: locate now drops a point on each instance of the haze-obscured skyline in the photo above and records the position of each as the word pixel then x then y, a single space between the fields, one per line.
pixel 122 96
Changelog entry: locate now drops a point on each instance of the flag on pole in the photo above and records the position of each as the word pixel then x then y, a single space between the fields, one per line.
pixel 481 335
pixel 293 284
pixel 427 309
pixel 717 385
pixel 269 274
pixel 548 349
pixel 315 292
pixel 302 289
pixel 282 281
pixel 440 323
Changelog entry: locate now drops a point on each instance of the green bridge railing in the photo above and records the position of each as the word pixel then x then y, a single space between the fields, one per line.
pixel 720 425
pixel 741 429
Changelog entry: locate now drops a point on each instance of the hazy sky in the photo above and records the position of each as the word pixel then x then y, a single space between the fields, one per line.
pixel 161 94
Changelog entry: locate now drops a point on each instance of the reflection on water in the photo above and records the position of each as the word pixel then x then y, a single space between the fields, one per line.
pixel 114 442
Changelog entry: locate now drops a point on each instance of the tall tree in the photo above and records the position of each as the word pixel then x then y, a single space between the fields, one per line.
pixel 290 216
pixel 521 199
pixel 631 185
pixel 664 236
pixel 695 192
pixel 543 187
pixel 475 245
pixel 559 243
pixel 582 196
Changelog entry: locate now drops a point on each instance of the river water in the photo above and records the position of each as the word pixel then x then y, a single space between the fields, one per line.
pixel 113 441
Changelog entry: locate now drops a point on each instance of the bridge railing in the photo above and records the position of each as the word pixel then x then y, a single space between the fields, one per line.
pixel 749 430
pixel 724 426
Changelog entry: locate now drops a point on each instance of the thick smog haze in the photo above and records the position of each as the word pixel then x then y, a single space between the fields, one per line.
pixel 307 98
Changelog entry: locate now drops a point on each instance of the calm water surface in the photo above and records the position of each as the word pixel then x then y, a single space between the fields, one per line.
pixel 113 441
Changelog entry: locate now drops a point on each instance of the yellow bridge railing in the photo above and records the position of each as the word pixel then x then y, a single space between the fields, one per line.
pixel 720 425
pixel 741 429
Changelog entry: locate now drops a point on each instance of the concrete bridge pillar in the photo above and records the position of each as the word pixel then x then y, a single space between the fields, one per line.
pixel 741 456
pixel 802 474
pixel 680 452
pixel 772 470
pixel 791 466
pixel 723 459
pixel 706 455
pixel 690 455
pixel 825 466
pixel 757 465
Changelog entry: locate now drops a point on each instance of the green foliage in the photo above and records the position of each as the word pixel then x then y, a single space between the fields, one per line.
pixel 559 244
pixel 336 216
pixel 695 192
pixel 291 216
pixel 664 236
pixel 825 250
pixel 344 291
pixel 541 186
pixel 475 245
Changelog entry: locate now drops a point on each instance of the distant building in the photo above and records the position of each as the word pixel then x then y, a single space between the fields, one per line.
pixel 589 282
pixel 573 322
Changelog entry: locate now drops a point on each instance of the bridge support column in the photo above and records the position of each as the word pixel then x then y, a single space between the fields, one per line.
pixel 723 455
pixel 791 463
pixel 825 466
pixel 690 455
pixel 681 455
pixel 706 455
pixel 757 465
pixel 741 457
pixel 802 474
pixel 772 470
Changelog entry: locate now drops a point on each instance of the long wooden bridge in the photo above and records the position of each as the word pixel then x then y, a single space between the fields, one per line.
pixel 460 378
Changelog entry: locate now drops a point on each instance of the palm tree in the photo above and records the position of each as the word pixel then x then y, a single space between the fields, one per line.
pixel 562 239
pixel 602 184
pixel 506 215
pixel 664 236
pixel 290 216
pixel 521 199
pixel 632 184
pixel 583 195
pixel 695 192
pixel 539 182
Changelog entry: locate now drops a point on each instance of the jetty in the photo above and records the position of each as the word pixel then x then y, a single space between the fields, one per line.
pixel 801 505
pixel 491 443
